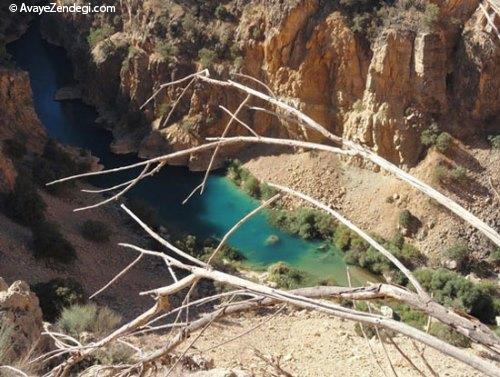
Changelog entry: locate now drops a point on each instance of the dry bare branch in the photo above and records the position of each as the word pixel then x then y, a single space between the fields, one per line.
pixel 120 274
pixel 235 227
pixel 360 232
pixel 369 155
pixel 318 305
pixel 224 133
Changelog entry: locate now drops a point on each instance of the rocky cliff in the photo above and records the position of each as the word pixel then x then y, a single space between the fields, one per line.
pixel 376 73
pixel 21 323
pixel 18 120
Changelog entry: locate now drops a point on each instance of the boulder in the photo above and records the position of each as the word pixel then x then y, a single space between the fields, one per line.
pixel 20 319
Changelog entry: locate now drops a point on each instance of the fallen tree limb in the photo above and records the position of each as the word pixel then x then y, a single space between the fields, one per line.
pixel 276 295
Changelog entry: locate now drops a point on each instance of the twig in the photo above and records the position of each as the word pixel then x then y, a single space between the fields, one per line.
pixel 255 327
pixel 377 332
pixel 363 332
pixel 424 360
pixel 163 86
pixel 150 173
pixel 257 81
pixel 239 121
pixel 360 232
pixel 322 306
pixel 405 356
pixel 120 274
pixel 235 227
pixel 212 159
pixel 161 240
pixel 174 106
pixel 122 192
pixel 15 370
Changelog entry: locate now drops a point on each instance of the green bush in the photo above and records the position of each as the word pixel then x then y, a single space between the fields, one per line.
pixel 252 187
pixel 236 173
pixel 443 142
pixel 361 254
pixel 24 204
pixel 494 257
pixel 232 254
pixel 115 354
pixel 439 174
pixel 143 211
pixel 95 230
pixel 97 35
pixel 458 253
pixel 452 289
pixel 304 222
pixel 167 51
pixel 459 174
pixel 409 316
pixel 405 219
pixel 398 240
pixel 243 178
pixel 207 57
pixel 410 256
pixel 342 237
pixel 431 15
pixel 48 242
pixel 429 136
pixel 266 191
pixel 221 12
pixel 494 141
pixel 79 318
pixel 57 294
pixel 285 276
pixel 444 175
pixel 433 136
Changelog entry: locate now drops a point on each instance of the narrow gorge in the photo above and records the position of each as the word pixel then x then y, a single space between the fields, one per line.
pixel 417 82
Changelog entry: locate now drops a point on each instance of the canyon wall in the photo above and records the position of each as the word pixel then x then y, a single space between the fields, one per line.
pixel 18 120
pixel 381 88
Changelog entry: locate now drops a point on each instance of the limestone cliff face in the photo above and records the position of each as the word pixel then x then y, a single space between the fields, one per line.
pixel 405 85
pixel 17 117
pixel 18 113
pixel 476 77
pixel 382 93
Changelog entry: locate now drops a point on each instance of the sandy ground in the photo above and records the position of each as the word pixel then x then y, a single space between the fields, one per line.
pixel 309 344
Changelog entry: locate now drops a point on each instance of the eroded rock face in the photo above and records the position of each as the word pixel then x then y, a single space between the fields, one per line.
pixel 476 78
pixel 20 318
pixel 8 173
pixel 405 85
pixel 18 113
pixel 18 120
pixel 382 93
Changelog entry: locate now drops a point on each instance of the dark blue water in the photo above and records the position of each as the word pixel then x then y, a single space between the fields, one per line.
pixel 220 207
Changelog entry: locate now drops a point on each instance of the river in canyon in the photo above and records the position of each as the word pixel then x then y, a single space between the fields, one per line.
pixel 211 214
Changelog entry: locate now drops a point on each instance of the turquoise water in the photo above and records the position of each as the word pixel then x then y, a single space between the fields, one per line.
pixel 213 214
